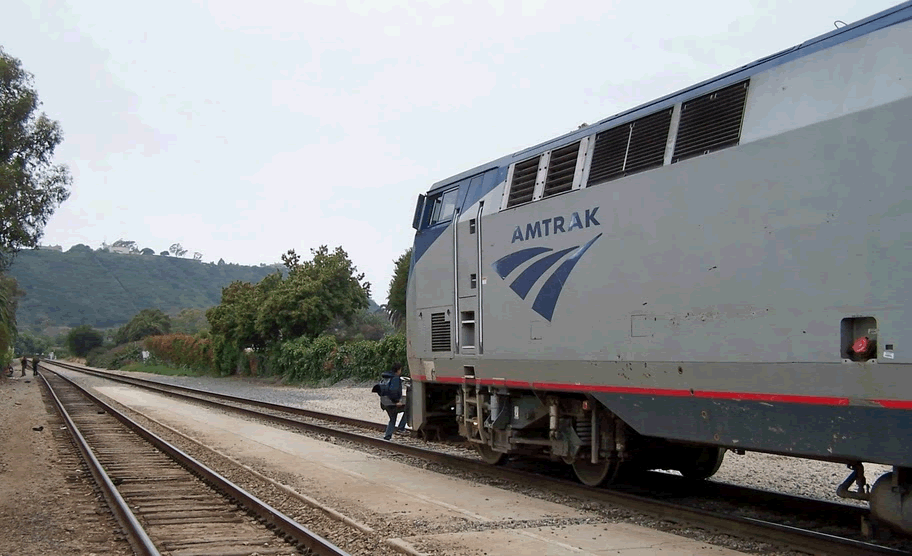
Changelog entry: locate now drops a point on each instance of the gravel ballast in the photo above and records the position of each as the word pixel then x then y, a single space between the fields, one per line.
pixel 802 477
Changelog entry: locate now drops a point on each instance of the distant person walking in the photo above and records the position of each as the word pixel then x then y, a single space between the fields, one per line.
pixel 24 362
pixel 35 361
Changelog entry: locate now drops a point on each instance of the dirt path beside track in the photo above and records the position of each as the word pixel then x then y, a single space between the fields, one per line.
pixel 47 506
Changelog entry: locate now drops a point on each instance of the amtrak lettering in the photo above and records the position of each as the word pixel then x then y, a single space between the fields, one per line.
pixel 555 225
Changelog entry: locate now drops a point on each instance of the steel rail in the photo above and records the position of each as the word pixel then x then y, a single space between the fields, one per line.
pixel 305 537
pixel 140 542
pixel 782 535
pixel 167 388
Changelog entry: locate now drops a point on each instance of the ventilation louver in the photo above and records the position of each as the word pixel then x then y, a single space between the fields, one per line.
pixel 561 169
pixel 523 186
pixel 647 142
pixel 711 122
pixel 630 148
pixel 610 152
pixel 440 332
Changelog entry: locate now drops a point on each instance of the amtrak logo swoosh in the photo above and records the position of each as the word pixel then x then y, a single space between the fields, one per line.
pixel 546 299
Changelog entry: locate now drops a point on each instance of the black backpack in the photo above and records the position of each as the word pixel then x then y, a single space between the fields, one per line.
pixel 382 388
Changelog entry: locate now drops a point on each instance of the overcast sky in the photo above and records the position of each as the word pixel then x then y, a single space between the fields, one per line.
pixel 244 129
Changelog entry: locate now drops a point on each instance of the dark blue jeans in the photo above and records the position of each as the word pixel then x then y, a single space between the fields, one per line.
pixel 392 412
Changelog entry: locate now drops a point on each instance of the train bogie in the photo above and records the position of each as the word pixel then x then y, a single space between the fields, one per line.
pixel 573 428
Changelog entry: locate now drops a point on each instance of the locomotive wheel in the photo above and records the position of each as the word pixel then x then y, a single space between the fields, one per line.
pixel 705 463
pixel 596 474
pixel 488 455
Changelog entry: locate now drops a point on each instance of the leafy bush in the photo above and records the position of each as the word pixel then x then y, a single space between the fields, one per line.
pixel 94 355
pixel 181 350
pixel 148 322
pixel 28 343
pixel 116 357
pixel 83 339
pixel 392 349
pixel 323 360
pixel 225 356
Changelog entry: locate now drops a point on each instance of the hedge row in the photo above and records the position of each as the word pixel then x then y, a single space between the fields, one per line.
pixel 319 361
pixel 325 361
pixel 116 357
pixel 228 359
pixel 182 350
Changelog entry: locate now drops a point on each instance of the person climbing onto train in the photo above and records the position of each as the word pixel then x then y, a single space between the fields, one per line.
pixel 391 399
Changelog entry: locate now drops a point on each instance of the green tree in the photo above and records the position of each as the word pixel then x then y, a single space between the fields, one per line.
pixel 147 251
pixel 177 250
pixel 80 248
pixel 364 326
pixel 233 321
pixel 28 343
pixel 395 301
pixel 315 294
pixel 235 317
pixel 9 294
pixel 83 339
pixel 148 322
pixel 189 321
pixel 31 185
pixel 130 245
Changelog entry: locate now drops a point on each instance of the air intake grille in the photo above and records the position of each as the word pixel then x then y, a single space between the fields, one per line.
pixel 610 152
pixel 711 122
pixel 647 142
pixel 440 332
pixel 523 186
pixel 561 169
pixel 630 148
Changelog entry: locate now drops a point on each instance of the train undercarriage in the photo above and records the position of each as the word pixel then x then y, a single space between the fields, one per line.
pixel 601 448
pixel 573 428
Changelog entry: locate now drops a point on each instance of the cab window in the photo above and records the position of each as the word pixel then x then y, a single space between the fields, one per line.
pixel 442 207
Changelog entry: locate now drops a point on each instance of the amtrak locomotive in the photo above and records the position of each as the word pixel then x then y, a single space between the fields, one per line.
pixel 724 268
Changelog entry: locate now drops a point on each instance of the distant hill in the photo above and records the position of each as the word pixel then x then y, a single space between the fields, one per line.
pixel 104 289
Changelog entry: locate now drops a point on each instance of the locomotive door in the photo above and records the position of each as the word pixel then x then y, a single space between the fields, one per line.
pixel 469 296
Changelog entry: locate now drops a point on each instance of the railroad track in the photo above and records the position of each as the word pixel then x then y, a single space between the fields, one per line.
pixel 792 522
pixel 165 501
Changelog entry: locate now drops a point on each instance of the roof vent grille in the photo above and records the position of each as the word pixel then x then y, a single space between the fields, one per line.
pixel 523 186
pixel 610 152
pixel 561 169
pixel 647 142
pixel 630 148
pixel 711 122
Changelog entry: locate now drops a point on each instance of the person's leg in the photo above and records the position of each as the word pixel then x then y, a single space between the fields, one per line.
pixel 405 417
pixel 392 423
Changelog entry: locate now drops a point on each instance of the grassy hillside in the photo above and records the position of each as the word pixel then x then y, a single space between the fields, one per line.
pixel 104 289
